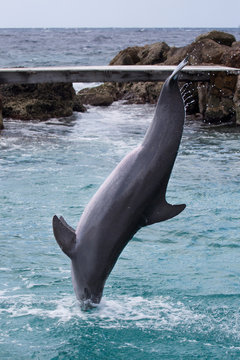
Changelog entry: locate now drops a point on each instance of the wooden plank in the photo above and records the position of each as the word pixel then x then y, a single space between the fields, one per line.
pixel 86 74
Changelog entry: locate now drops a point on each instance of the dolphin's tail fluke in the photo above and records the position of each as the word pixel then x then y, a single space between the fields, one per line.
pixel 178 69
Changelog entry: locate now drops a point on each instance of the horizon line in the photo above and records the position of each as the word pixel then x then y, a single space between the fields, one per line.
pixel 120 27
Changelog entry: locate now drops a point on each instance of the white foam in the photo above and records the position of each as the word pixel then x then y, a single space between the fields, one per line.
pixel 156 312
pixel 2 292
pixel 159 313
pixel 79 86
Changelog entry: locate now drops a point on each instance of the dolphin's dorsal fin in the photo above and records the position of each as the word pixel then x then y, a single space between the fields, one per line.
pixel 162 212
pixel 65 235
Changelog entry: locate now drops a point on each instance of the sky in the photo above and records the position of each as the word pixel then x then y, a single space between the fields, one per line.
pixel 119 13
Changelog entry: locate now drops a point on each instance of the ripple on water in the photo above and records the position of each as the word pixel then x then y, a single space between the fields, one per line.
pixel 174 290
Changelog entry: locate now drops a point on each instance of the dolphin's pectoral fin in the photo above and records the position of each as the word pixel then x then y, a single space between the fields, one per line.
pixel 66 224
pixel 64 234
pixel 162 212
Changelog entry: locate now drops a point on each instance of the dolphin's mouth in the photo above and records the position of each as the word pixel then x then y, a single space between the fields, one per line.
pixel 89 300
pixel 88 304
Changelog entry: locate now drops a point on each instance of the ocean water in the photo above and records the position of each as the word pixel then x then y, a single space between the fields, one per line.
pixel 175 290
pixel 49 47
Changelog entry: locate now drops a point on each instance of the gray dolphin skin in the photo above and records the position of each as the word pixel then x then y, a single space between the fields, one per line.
pixel 133 196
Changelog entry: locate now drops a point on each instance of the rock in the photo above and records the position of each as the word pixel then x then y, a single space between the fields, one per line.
pixel 232 56
pixel 37 101
pixel 219 37
pixel 102 95
pixel 127 56
pixel 214 103
pixel 213 47
pixel 204 51
pixel 131 93
pixel 176 55
pixel 78 106
pixel 203 89
pixel 153 54
pixel 144 55
pixel 220 105
pixel 139 92
pixel 1 118
pixel 236 101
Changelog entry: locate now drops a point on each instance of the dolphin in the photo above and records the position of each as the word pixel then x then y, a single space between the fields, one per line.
pixel 133 196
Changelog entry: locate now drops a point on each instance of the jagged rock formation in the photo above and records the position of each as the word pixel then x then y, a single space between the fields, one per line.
pixel 1 118
pixel 39 101
pixel 216 102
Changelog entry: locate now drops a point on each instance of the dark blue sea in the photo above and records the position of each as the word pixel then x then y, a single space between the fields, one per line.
pixel 175 290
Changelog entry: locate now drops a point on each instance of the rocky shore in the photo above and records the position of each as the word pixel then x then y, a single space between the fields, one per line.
pixel 1 118
pixel 39 101
pixel 214 102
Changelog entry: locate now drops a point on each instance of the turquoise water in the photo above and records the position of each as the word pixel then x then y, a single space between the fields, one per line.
pixel 174 292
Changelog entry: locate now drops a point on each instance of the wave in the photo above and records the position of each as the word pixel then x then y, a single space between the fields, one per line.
pixel 231 246
pixel 208 326
pixel 159 313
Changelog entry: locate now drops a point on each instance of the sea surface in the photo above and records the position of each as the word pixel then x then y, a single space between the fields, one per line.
pixel 175 290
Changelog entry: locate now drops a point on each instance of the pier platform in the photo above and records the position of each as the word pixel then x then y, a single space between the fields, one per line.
pixel 85 74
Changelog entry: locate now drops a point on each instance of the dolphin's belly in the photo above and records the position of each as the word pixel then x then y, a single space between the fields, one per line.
pixel 120 198
pixel 114 213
